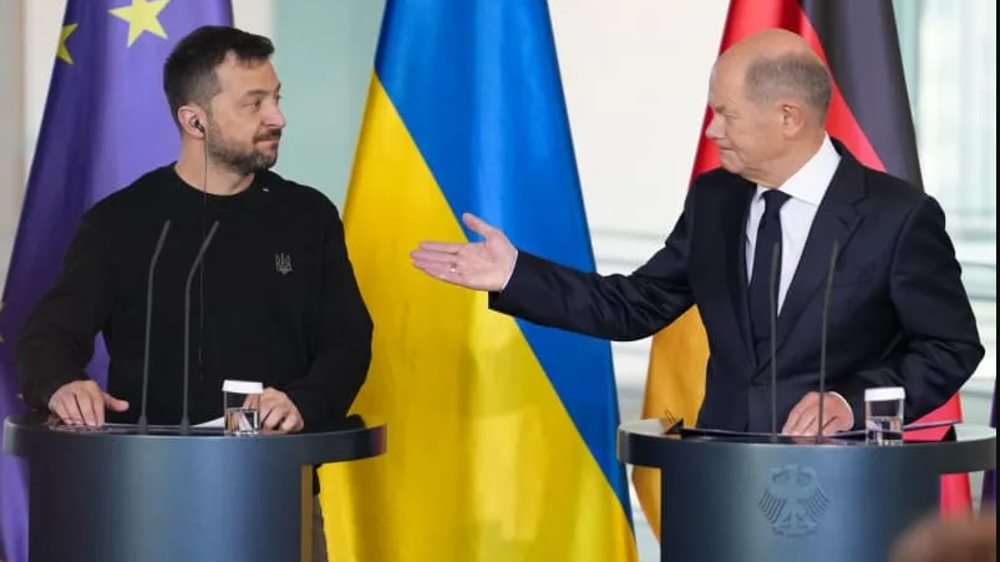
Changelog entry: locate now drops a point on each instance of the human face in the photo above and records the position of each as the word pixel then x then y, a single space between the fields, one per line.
pixel 245 123
pixel 749 135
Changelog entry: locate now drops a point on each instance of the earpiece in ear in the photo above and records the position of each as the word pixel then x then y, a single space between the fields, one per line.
pixel 197 125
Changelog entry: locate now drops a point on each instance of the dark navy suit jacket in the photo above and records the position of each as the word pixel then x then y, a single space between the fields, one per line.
pixel 898 316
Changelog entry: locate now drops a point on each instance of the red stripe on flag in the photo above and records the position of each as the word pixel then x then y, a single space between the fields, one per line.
pixel 747 17
pixel 956 489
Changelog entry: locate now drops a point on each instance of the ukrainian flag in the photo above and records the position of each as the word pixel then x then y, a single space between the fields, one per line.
pixel 501 439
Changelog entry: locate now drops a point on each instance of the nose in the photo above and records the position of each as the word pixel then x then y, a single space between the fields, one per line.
pixel 275 119
pixel 714 131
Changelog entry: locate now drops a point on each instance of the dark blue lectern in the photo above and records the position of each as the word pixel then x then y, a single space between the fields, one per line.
pixel 115 495
pixel 728 498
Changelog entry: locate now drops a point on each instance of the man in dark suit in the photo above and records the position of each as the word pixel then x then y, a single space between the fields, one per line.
pixel 898 313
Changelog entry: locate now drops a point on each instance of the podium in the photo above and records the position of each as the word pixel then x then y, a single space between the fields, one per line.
pixel 728 498
pixel 115 495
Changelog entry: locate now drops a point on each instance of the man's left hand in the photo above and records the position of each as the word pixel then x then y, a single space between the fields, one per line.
pixel 803 420
pixel 278 414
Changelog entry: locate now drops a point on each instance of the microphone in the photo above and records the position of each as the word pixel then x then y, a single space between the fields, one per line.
pixel 185 422
pixel 773 294
pixel 822 343
pixel 143 421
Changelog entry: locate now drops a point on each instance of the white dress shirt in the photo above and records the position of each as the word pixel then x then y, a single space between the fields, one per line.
pixel 806 189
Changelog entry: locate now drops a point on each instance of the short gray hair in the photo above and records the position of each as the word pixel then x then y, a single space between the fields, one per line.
pixel 800 76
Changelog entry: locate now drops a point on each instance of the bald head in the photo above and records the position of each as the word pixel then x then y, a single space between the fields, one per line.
pixel 769 95
pixel 777 64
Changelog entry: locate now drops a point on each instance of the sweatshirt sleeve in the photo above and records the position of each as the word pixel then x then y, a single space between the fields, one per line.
pixel 57 340
pixel 341 343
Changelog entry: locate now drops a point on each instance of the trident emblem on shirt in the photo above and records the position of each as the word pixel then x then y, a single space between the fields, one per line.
pixel 283 263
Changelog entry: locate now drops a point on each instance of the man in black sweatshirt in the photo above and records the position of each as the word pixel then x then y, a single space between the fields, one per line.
pixel 276 300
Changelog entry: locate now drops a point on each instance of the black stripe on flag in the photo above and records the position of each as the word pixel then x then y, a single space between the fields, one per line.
pixel 861 43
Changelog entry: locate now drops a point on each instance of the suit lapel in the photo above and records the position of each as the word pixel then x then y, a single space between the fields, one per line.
pixel 733 226
pixel 836 220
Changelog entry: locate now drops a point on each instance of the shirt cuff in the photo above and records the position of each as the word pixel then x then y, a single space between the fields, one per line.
pixel 510 272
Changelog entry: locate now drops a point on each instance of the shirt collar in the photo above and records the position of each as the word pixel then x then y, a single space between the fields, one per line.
pixel 809 184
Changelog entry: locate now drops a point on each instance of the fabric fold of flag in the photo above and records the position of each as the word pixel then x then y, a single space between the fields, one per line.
pixel 502 434
pixel 989 498
pixel 106 122
pixel 870 113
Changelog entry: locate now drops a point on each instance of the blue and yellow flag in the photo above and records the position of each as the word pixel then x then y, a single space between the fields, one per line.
pixel 501 434
pixel 106 122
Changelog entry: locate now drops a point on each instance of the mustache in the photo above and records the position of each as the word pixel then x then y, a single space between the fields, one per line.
pixel 270 135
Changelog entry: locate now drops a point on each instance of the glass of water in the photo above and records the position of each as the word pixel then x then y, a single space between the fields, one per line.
pixel 242 407
pixel 884 415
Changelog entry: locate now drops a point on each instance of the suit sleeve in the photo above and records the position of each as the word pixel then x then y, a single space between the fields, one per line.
pixel 341 343
pixel 940 346
pixel 615 307
pixel 57 340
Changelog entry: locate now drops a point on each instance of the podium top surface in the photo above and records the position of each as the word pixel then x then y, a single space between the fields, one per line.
pixel 349 439
pixel 966 448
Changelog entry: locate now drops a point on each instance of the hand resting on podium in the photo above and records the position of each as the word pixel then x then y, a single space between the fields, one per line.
pixel 803 420
pixel 278 413
pixel 83 403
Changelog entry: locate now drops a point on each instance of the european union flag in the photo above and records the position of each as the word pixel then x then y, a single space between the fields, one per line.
pixel 106 122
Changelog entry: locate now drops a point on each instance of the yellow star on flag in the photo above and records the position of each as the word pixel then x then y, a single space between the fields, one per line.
pixel 141 16
pixel 63 52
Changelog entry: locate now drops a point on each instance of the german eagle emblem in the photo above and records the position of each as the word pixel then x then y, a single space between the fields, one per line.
pixel 793 501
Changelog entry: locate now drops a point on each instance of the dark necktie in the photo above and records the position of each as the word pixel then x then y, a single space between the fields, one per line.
pixel 768 234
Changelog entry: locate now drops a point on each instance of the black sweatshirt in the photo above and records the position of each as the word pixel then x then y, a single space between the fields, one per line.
pixel 281 303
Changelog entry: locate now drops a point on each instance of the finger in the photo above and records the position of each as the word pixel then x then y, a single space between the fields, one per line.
pixel 271 411
pixel 435 269
pixel 274 417
pixel 807 402
pixel 96 397
pixel 433 256
pixel 445 272
pixel 59 408
pixel 477 225
pixel 837 423
pixel 85 406
pixel 114 404
pixel 264 410
pixel 831 424
pixel 806 424
pixel 440 247
pixel 795 419
pixel 292 422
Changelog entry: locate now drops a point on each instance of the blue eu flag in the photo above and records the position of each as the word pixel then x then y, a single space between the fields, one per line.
pixel 106 122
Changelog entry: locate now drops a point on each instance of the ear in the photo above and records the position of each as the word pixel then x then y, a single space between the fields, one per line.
pixel 792 117
pixel 192 120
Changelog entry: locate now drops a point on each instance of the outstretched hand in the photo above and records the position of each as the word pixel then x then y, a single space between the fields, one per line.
pixel 484 266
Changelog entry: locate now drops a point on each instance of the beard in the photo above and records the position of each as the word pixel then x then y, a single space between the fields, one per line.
pixel 236 156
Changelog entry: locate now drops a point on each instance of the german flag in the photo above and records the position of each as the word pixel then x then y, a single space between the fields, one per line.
pixel 870 114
